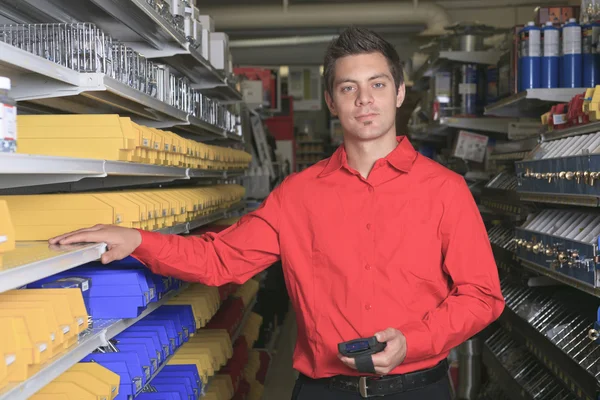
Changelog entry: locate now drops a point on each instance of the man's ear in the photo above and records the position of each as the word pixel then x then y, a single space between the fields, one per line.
pixel 330 104
pixel 400 95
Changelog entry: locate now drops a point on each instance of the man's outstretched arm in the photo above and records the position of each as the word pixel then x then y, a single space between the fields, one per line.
pixel 233 255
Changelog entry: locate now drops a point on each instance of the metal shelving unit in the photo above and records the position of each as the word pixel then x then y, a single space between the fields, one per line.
pixel 247 313
pixel 519 372
pixel 38 82
pixel 199 127
pixel 592 127
pixel 499 373
pixel 555 333
pixel 31 261
pixel 531 103
pixel 24 170
pixel 42 86
pixel 137 24
pixel 490 57
pixel 202 221
pixel 490 124
pixel 98 336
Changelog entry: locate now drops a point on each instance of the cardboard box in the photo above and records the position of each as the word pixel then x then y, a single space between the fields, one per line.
pixel 557 14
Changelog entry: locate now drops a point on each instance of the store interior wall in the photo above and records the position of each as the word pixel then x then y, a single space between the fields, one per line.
pixel 498 13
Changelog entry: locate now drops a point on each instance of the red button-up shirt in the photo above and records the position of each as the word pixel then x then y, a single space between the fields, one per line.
pixel 405 248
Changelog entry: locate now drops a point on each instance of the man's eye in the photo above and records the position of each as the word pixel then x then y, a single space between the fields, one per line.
pixel 379 85
pixel 346 88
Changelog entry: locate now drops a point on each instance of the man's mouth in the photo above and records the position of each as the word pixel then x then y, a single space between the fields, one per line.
pixel 365 117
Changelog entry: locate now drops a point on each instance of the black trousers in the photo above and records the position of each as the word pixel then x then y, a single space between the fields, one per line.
pixel 308 389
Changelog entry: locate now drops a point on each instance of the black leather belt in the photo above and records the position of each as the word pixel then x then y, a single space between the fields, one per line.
pixel 372 386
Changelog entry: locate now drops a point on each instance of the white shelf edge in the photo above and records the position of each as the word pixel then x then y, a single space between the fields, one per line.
pixel 489 57
pixel 559 95
pixel 121 89
pixel 16 277
pixel 20 59
pixel 58 365
pixel 22 170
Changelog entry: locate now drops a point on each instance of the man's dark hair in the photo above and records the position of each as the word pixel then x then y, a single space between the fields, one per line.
pixel 353 41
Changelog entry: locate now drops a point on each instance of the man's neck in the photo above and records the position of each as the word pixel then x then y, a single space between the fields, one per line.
pixel 362 155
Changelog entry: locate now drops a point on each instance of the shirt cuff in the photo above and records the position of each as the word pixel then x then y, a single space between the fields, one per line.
pixel 146 251
pixel 418 342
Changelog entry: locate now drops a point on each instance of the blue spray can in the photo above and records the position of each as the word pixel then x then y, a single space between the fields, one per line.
pixel 550 56
pixel 530 42
pixel 591 58
pixel 571 59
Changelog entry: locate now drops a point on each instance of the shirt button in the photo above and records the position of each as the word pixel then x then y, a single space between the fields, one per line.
pixel 369 227
pixel 368 267
pixel 371 189
pixel 367 306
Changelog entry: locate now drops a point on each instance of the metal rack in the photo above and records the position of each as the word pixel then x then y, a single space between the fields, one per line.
pixel 531 103
pixel 142 27
pixel 519 372
pixel 94 80
pixel 202 221
pixel 234 337
pixel 490 124
pixel 32 261
pixel 24 170
pixel 490 57
pixel 500 195
pixel 98 336
pixel 41 83
pixel 556 333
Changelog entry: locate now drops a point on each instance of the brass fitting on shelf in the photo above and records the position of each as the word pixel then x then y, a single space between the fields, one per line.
pixel 562 257
pixel 562 175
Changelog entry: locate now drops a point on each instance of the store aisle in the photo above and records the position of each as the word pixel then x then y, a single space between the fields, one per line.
pixel 281 378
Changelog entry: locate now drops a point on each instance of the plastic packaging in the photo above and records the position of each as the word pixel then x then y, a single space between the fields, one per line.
pixel 591 58
pixel 8 118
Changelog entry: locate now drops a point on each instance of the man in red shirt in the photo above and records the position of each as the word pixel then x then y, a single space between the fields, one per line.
pixel 376 240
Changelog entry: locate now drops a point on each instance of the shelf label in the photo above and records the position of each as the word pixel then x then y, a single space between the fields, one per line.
pixel 9 359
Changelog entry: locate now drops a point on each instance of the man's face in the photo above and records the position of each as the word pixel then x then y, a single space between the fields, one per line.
pixel 364 96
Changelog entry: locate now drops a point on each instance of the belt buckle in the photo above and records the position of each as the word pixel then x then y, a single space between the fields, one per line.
pixel 362 387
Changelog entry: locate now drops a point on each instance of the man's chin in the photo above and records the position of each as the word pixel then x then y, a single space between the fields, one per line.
pixel 370 133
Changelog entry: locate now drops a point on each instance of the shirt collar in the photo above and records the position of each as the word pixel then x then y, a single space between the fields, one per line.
pixel 401 158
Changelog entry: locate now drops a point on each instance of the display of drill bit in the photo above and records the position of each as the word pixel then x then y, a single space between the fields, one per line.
pixel 565 324
pixel 569 166
pixel 492 391
pixel 503 181
pixel 81 46
pixel 528 373
pixel 500 194
pixel 562 240
pixel 503 237
pixel 86 49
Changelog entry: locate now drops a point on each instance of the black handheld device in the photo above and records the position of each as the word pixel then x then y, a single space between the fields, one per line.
pixel 361 347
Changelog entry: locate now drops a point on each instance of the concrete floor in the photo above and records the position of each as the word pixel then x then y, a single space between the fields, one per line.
pixel 281 377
